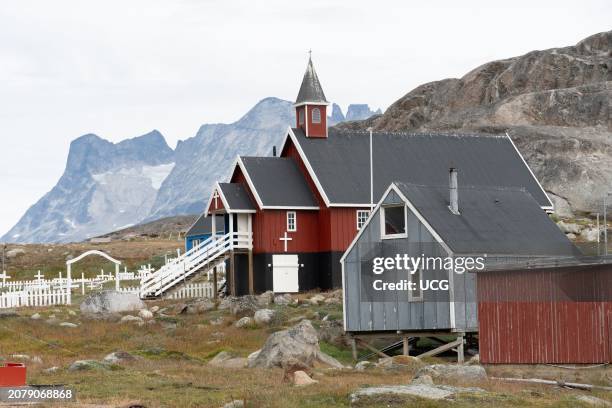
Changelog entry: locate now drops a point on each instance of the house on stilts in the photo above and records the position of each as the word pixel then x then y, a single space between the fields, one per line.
pixel 288 218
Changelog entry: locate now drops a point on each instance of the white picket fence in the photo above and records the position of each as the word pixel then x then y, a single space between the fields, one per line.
pixel 189 290
pixel 34 297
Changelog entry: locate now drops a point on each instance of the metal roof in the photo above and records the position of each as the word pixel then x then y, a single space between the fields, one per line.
pixel 492 221
pixel 203 225
pixel 341 162
pixel 278 182
pixel 236 196
pixel 310 90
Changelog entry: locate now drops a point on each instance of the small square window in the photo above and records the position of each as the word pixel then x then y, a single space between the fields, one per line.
pixel 291 221
pixel 393 222
pixel 362 217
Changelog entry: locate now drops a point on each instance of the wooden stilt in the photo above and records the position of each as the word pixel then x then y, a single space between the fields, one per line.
pixel 215 289
pixel 232 273
pixel 460 351
pixel 354 348
pixel 406 346
pixel 251 288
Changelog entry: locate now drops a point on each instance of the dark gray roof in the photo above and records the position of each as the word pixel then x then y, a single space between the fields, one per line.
pixel 237 197
pixel 310 90
pixel 203 225
pixel 341 162
pixel 279 182
pixel 490 221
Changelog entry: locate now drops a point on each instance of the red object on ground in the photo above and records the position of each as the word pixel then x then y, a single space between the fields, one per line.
pixel 12 375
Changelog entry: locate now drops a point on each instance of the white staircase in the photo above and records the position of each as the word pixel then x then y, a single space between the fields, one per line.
pixel 198 260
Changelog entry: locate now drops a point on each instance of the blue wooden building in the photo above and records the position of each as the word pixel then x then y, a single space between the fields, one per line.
pixel 202 230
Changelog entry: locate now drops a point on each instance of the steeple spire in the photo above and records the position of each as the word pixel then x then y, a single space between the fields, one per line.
pixel 310 90
pixel 311 105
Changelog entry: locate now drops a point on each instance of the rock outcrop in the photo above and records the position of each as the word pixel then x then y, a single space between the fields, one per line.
pixel 109 302
pixel 555 104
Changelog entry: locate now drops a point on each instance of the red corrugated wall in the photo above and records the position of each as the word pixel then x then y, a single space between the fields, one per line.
pixel 555 316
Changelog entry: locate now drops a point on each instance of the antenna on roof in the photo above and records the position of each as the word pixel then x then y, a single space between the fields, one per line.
pixel 371 172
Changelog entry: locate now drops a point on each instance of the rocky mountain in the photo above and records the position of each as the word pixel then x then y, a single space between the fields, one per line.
pixel 555 104
pixel 360 112
pixel 210 154
pixel 107 187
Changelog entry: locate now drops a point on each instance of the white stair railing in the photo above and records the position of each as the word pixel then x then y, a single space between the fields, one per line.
pixel 206 255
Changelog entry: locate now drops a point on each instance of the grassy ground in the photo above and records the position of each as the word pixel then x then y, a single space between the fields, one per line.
pixel 51 259
pixel 171 370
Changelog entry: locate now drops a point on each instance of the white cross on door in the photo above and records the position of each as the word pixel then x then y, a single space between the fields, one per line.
pixel 286 239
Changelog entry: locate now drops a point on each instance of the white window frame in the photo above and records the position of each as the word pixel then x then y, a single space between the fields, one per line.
pixel 291 214
pixel 301 115
pixel 367 215
pixel 411 296
pixel 382 223
pixel 316 118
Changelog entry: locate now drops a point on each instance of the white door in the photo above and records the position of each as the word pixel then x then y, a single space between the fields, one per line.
pixel 285 273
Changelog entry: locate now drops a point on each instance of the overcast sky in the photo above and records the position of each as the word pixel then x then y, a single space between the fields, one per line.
pixel 122 68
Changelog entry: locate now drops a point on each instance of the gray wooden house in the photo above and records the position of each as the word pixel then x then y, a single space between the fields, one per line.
pixel 439 222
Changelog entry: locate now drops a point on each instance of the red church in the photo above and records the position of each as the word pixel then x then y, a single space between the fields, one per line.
pixel 290 218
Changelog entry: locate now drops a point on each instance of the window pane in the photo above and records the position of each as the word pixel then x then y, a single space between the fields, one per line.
pixel 416 278
pixel 394 220
pixel 316 115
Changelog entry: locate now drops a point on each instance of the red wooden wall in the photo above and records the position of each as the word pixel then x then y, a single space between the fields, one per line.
pixel 554 316
pixel 270 225
pixel 337 225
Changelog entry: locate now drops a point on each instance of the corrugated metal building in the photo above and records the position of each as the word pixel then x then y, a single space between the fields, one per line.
pixel 542 312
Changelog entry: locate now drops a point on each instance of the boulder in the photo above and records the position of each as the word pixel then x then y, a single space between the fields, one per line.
pixel 283 300
pixel 14 253
pixel 154 309
pixel 589 234
pixel 132 319
pixel 245 321
pixel 86 365
pixel 286 347
pixel 569 228
pixel 400 363
pixel 72 313
pixel 453 372
pixel 252 357
pixel 296 319
pixel 593 401
pixel 263 316
pixel 225 303
pixel 426 391
pixel 217 321
pixel 145 314
pixel 424 379
pixel 364 365
pixel 219 358
pixel 35 316
pixel 109 301
pixel 328 360
pixel 198 306
pixel 234 404
pixel 316 299
pixel 51 370
pixel 118 357
pixel 301 379
pixel 265 298
pixel 243 305
pixel 68 324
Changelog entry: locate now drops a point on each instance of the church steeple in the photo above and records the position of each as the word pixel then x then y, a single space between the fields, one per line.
pixel 311 105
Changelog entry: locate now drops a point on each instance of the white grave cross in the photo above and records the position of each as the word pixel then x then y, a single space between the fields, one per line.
pixel 4 277
pixel 286 239
pixel 39 276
